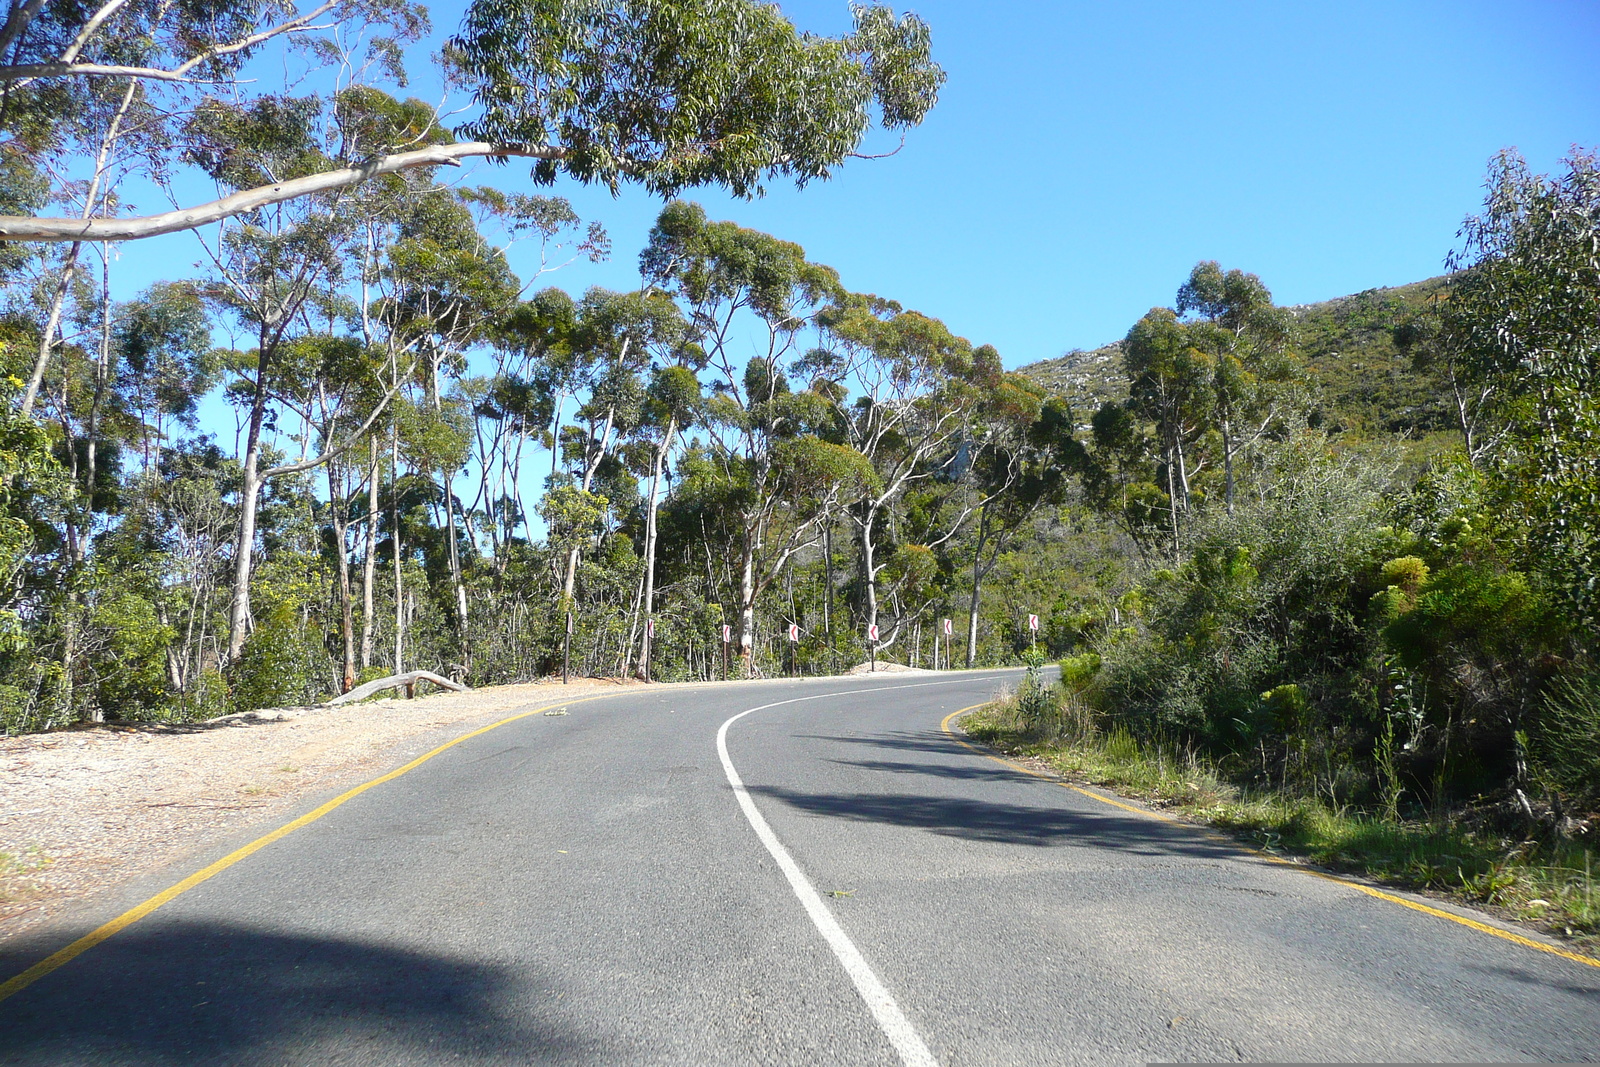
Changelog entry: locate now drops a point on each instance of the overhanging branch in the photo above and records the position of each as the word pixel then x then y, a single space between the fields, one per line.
pixel 28 228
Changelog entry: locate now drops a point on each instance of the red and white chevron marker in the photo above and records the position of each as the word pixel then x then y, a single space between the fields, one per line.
pixel 947 628
pixel 1033 622
pixel 872 633
pixel 727 634
pixel 794 632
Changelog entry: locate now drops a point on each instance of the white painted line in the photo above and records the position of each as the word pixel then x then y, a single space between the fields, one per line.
pixel 896 1027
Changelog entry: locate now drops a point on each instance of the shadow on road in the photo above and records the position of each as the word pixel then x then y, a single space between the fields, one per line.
pixel 962 771
pixel 1015 824
pixel 198 993
pixel 904 742
pixel 1530 978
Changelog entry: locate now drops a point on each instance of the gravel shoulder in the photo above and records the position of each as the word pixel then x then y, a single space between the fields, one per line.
pixel 84 810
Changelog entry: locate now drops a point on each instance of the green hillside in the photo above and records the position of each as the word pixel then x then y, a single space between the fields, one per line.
pixel 1363 383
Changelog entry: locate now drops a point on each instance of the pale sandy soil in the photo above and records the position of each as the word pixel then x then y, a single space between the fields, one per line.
pixel 84 810
pixel 885 667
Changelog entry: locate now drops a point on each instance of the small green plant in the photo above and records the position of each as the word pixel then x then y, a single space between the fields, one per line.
pixel 1389 785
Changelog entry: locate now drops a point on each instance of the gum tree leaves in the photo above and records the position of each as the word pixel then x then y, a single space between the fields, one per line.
pixel 679 93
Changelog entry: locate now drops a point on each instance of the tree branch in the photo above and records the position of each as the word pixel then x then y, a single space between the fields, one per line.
pixel 349 442
pixel 66 66
pixel 20 18
pixel 28 228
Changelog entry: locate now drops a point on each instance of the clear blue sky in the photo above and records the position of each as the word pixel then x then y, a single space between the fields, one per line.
pixel 1084 155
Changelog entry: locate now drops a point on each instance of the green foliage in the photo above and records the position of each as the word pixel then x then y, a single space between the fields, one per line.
pixel 688 93
pixel 1520 314
pixel 1567 743
pixel 281 666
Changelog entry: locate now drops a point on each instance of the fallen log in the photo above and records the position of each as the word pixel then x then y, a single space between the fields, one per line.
pixel 395 681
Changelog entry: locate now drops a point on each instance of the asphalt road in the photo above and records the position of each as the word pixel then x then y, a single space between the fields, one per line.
pixel 589 889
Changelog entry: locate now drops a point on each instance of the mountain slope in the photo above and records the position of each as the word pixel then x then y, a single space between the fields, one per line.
pixel 1362 382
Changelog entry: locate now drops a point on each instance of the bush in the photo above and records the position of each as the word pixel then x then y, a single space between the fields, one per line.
pixel 1567 744
pixel 281 666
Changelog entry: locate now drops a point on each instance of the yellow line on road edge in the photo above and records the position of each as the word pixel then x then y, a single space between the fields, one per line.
pixel 12 986
pixel 1485 928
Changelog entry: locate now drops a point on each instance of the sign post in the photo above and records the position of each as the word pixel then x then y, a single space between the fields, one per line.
pixel 947 630
pixel 566 650
pixel 1033 633
pixel 872 639
pixel 727 636
pixel 794 647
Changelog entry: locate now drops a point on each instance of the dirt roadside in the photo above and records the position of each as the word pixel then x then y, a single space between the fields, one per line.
pixel 88 809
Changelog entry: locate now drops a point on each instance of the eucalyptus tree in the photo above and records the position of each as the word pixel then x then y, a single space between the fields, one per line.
pixel 446 289
pixel 908 393
pixel 732 281
pixel 616 335
pixel 1019 459
pixel 1170 385
pixel 1520 319
pixel 669 95
pixel 1247 338
pixel 535 371
pixel 672 402
pixel 92 93
pixel 166 362
pixel 277 272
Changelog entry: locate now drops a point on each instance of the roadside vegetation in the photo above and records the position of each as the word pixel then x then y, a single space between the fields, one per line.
pixel 1472 856
pixel 1385 664
pixel 1326 574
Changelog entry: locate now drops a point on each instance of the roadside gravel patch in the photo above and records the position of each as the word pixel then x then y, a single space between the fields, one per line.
pixel 86 809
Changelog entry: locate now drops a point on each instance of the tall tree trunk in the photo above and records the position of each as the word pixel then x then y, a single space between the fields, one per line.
pixel 1172 496
pixel 102 374
pixel 91 198
pixel 746 635
pixel 827 583
pixel 337 503
pixel 1227 462
pixel 249 491
pixel 369 562
pixel 399 582
pixel 869 570
pixel 977 587
pixel 47 340
pixel 649 604
pixel 591 465
pixel 463 647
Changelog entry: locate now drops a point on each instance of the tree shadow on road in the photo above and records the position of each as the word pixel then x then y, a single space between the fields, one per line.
pixel 1531 978
pixel 1014 824
pixel 165 992
pixel 905 742
pixel 960 771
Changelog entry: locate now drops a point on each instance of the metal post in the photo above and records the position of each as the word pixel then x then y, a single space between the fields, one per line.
pixel 566 651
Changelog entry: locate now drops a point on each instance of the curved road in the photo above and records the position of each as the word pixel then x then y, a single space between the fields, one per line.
pixel 842 882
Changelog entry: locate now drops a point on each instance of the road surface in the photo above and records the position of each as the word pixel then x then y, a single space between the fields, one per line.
pixel 770 873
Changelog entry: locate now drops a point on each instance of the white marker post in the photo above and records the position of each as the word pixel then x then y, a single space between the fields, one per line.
pixel 947 631
pixel 727 639
pixel 872 639
pixel 1033 632
pixel 794 647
